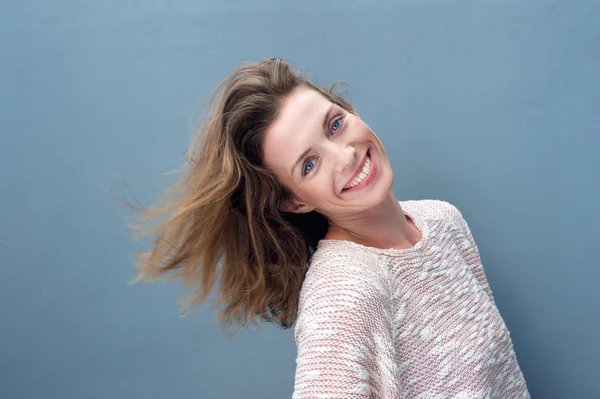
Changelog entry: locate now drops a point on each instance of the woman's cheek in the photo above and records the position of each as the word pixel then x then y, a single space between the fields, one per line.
pixel 320 191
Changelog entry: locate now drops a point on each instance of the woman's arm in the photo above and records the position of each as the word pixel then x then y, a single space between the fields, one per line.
pixel 344 334
pixel 471 251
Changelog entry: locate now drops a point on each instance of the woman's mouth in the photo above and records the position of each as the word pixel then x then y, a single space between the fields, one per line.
pixel 364 176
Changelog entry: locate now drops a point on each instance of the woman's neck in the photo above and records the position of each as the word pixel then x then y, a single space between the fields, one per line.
pixel 383 226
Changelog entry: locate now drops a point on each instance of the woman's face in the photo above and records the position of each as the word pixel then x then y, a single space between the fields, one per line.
pixel 327 156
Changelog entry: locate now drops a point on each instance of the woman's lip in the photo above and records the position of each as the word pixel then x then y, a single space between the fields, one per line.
pixel 369 176
pixel 357 171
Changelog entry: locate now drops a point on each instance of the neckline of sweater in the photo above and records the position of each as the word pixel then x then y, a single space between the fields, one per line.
pixel 408 211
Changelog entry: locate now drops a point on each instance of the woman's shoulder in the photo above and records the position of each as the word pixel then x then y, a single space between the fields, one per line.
pixel 342 281
pixel 342 264
pixel 340 259
pixel 432 209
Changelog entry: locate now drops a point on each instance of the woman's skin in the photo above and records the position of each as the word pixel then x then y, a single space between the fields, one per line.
pixel 338 139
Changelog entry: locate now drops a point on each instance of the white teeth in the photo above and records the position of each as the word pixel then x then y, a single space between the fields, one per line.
pixel 361 176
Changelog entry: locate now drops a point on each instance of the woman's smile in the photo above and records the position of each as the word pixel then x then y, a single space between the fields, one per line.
pixel 363 176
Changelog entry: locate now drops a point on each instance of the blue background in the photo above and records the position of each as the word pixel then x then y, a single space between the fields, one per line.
pixel 491 105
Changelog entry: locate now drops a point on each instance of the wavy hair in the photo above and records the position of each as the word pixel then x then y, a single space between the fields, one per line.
pixel 224 230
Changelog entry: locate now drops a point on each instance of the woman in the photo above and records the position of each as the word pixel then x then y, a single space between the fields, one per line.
pixel 287 211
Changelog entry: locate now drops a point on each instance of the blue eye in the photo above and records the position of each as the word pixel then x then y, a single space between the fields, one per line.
pixel 310 165
pixel 336 125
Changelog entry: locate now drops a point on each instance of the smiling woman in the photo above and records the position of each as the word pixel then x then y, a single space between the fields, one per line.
pixel 286 210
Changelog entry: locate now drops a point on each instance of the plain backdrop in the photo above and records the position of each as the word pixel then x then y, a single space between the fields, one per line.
pixel 491 105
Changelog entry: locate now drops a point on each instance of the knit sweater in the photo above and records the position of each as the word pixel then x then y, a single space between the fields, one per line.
pixel 410 323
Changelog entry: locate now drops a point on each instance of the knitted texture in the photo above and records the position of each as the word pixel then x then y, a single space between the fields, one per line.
pixel 404 323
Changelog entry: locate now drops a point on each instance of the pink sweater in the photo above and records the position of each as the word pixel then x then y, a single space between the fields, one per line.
pixel 404 323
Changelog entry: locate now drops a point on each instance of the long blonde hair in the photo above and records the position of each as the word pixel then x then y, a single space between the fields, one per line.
pixel 225 230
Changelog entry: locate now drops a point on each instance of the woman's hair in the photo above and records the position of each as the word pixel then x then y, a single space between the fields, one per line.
pixel 225 229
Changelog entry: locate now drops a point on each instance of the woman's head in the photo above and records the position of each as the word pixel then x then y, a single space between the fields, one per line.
pixel 326 156
pixel 238 217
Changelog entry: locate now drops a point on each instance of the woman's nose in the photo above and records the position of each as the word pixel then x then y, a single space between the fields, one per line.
pixel 345 158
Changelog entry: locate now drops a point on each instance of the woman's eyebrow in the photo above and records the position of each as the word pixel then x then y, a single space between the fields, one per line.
pixel 300 158
pixel 327 115
pixel 305 152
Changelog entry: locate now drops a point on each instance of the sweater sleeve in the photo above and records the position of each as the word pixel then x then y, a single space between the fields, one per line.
pixel 344 333
pixel 472 251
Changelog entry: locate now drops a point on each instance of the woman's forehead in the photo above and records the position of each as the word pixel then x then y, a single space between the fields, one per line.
pixel 300 119
pixel 302 103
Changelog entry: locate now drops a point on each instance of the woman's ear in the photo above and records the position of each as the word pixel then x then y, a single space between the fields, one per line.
pixel 295 206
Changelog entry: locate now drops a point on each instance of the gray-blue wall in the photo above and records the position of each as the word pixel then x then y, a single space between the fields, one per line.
pixel 491 105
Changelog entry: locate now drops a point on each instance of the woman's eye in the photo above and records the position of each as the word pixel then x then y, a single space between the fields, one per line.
pixel 310 165
pixel 336 125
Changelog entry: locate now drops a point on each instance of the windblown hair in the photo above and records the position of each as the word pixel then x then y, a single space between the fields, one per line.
pixel 225 231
